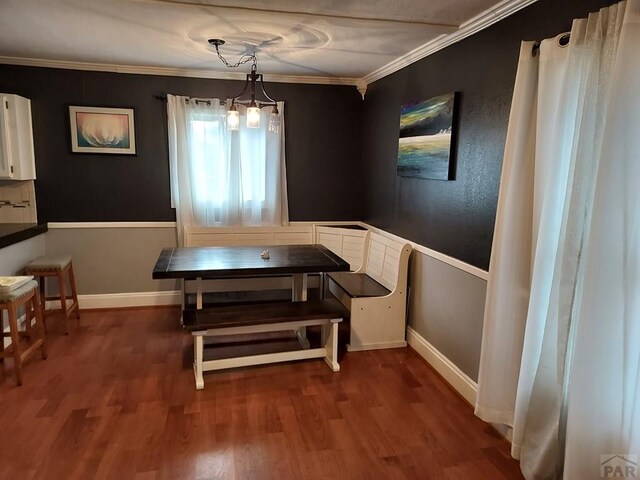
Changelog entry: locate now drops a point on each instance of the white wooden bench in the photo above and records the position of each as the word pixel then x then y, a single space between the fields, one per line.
pixel 262 318
pixel 376 294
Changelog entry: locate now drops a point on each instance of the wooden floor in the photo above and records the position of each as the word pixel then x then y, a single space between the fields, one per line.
pixel 116 400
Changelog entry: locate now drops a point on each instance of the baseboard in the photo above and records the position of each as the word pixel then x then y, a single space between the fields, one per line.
pixel 445 367
pixel 123 300
pixel 375 346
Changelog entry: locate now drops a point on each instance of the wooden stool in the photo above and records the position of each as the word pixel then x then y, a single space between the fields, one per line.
pixel 56 266
pixel 28 296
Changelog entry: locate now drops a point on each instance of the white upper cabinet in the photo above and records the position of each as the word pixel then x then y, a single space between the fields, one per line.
pixel 17 160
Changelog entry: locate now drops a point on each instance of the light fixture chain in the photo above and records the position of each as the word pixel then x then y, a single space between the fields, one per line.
pixel 243 59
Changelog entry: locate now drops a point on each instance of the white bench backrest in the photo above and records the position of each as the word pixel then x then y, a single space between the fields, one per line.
pixel 345 242
pixel 248 236
pixel 385 259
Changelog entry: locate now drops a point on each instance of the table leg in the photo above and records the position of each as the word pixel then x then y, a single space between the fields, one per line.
pixel 299 288
pixel 299 294
pixel 199 293
pixel 183 286
pixel 301 333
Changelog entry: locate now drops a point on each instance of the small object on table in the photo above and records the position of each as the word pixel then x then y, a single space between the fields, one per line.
pixel 265 254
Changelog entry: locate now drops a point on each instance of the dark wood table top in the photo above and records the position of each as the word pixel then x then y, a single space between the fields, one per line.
pixel 224 262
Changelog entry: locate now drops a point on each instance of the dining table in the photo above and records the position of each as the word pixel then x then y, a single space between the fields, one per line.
pixel 203 263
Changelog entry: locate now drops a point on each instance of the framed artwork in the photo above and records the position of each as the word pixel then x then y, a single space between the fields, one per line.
pixel 426 134
pixel 102 130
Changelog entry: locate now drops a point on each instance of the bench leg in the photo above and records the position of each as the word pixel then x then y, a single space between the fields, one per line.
pixel 198 345
pixel 330 341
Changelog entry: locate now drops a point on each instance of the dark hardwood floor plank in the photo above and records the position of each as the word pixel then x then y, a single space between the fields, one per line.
pixel 116 399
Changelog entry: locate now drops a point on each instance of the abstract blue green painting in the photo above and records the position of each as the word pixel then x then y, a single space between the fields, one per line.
pixel 426 132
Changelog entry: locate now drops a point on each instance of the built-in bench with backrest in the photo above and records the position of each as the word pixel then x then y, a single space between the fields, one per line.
pixel 262 318
pixel 376 294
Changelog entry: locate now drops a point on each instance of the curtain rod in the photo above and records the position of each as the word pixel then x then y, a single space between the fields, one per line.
pixel 163 98
pixel 563 41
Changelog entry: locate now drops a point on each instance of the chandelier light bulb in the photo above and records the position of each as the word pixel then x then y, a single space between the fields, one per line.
pixel 274 122
pixel 233 119
pixel 253 117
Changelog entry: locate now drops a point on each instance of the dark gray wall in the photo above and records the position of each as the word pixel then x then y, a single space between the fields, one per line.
pixel 455 217
pixel 322 156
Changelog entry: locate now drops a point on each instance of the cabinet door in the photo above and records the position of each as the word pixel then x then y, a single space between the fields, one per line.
pixel 6 168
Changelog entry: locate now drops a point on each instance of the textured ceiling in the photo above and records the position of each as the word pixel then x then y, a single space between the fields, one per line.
pixel 328 38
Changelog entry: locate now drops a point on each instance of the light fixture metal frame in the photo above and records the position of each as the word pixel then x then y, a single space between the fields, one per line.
pixel 252 78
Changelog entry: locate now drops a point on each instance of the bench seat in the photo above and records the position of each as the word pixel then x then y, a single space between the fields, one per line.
pixel 358 284
pixel 263 313
pixel 264 317
pixel 375 295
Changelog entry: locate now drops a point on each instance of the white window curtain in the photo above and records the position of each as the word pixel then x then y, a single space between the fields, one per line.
pixel 560 358
pixel 221 177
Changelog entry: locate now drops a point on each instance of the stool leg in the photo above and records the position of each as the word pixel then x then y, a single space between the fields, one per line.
pixel 39 323
pixel 43 303
pixel 15 342
pixel 74 292
pixel 63 300
pixel 29 315
pixel 1 338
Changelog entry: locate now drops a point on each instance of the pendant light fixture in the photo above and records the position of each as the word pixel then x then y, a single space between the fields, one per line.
pixel 253 104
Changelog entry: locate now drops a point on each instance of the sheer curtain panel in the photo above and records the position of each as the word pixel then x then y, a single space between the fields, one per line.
pixel 561 341
pixel 221 177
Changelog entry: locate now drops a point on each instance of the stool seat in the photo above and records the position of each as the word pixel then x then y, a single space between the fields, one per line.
pixel 58 267
pixel 50 262
pixel 26 296
pixel 19 292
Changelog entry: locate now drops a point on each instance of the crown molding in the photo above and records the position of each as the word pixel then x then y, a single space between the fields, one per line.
pixel 173 72
pixel 474 25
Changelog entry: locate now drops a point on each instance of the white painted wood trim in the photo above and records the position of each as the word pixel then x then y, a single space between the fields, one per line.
pixel 476 24
pixel 262 359
pixel 261 328
pixel 58 225
pixel 329 223
pixel 173 72
pixel 454 262
pixel 74 225
pixel 459 380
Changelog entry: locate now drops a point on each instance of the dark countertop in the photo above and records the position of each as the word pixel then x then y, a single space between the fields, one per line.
pixel 11 233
